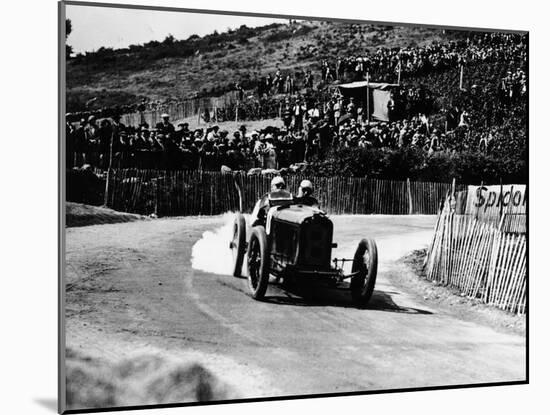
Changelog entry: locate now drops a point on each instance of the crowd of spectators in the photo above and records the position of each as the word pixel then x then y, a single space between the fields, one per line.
pixel 280 83
pixel 110 143
pixel 514 86
pixel 384 64
pixel 314 123
pixel 309 132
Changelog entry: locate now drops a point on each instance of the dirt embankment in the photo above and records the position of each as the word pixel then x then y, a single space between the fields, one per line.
pixel 78 214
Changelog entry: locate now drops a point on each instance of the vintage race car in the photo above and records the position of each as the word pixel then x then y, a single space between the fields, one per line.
pixel 296 242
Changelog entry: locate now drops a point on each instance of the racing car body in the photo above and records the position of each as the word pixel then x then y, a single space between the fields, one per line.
pixel 297 242
pixel 301 239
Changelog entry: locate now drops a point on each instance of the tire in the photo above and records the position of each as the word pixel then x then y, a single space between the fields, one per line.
pixel 258 263
pixel 365 261
pixel 238 244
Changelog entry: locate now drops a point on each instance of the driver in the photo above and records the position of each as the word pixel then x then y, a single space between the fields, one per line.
pixel 277 196
pixel 305 194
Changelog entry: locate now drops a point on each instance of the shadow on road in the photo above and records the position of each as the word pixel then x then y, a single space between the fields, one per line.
pixel 383 301
pixel 319 296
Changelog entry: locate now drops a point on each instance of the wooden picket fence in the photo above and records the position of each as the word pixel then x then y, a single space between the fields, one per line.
pixel 481 260
pixel 195 192
pixel 180 110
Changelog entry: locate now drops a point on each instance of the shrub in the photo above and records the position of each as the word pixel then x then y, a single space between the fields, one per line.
pixel 466 167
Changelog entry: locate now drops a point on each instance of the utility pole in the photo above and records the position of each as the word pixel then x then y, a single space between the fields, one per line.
pixel 368 98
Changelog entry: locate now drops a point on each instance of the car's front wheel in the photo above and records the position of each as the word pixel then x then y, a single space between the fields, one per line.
pixel 258 263
pixel 365 264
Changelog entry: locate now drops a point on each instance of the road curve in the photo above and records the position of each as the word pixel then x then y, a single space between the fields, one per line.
pixel 132 286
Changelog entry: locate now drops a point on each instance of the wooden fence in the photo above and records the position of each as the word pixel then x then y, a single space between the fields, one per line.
pixel 480 259
pixel 181 110
pixel 183 193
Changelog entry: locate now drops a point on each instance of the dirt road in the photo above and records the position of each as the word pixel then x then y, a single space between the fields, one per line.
pixel 131 287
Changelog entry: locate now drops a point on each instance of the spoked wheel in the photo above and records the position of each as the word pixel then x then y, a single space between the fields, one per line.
pixel 238 244
pixel 258 263
pixel 365 262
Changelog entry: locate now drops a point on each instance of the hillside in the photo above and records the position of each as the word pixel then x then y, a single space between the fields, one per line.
pixel 210 65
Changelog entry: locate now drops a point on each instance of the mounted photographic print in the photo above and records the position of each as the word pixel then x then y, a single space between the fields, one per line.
pixel 258 207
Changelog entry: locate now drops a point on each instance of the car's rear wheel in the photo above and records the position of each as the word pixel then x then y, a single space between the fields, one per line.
pixel 365 263
pixel 238 244
pixel 258 263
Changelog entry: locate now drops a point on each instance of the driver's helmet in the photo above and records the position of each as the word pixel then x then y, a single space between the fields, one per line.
pixel 306 188
pixel 278 183
pixel 278 195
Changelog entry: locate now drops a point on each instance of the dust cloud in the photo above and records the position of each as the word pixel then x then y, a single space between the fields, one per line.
pixel 211 253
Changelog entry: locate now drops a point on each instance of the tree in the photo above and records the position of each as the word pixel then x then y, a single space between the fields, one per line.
pixel 68 30
pixel 68 27
pixel 169 40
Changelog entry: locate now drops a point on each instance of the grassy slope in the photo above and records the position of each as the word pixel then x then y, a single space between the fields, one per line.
pixel 132 75
pixel 78 214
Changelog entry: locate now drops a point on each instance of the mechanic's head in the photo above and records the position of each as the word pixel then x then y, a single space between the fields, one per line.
pixel 277 183
pixel 306 188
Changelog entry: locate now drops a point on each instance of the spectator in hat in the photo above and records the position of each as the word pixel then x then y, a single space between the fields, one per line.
pixel 325 132
pixel 213 135
pixel 351 108
pixel 287 116
pixel 337 108
pixel 269 153
pixel 308 80
pixel 140 140
pixel 298 148
pixel 105 135
pixel 79 144
pixel 235 159
pixel 298 114
pixel 289 85
pixel 91 133
pixel 91 129
pixel 181 132
pixel 242 130
pixel 166 127
pixel 260 149
pixel 314 113
pixel 117 125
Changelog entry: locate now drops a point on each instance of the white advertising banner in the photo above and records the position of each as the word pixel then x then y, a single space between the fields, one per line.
pixel 493 200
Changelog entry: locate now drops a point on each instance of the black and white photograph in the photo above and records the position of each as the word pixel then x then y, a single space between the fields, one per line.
pixel 259 207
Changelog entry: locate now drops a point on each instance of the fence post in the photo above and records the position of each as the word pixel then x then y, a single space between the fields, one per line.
pixel 410 196
pixel 477 210
pixel 500 199
pixel 452 201
pixel 106 196
pixel 156 197
pixel 368 97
